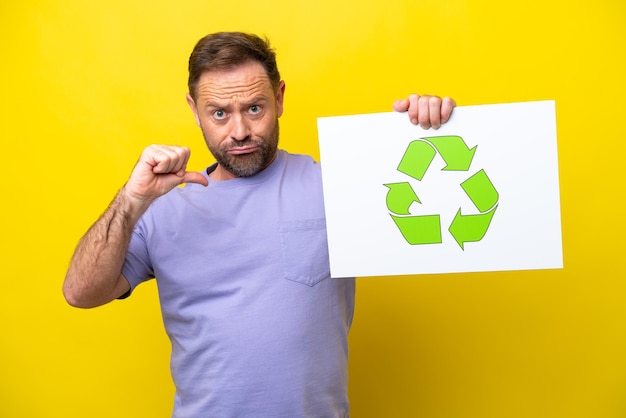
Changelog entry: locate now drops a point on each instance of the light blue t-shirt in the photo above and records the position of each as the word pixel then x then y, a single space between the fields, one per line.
pixel 257 326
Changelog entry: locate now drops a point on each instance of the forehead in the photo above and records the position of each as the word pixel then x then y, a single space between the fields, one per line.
pixel 241 82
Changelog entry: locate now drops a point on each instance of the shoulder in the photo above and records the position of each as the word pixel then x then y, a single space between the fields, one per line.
pixel 302 174
pixel 300 161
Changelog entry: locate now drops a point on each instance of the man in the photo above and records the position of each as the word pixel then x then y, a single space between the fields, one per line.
pixel 258 328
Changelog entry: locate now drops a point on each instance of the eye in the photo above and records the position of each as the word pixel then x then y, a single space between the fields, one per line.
pixel 219 114
pixel 254 109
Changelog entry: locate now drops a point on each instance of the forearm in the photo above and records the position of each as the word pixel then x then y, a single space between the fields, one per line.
pixel 94 276
pixel 95 273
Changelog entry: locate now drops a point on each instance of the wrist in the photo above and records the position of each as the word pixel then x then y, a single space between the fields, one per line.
pixel 130 204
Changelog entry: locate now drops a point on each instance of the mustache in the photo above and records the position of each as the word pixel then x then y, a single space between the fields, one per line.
pixel 244 143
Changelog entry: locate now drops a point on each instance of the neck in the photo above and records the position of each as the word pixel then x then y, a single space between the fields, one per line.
pixel 221 174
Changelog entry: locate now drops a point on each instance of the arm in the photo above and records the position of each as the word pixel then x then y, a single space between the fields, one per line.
pixel 94 276
pixel 427 111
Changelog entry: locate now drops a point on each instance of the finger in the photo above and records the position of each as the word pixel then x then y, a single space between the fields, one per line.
pixel 401 105
pixel 169 159
pixel 177 158
pixel 434 109
pixel 182 158
pixel 160 158
pixel 423 116
pixel 447 106
pixel 414 108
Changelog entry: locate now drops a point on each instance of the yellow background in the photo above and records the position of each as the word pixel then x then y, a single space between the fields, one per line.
pixel 87 84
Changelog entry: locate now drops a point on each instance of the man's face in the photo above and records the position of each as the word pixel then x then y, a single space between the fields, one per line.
pixel 237 111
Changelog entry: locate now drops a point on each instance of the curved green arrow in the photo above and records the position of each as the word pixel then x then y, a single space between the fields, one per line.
pixel 470 228
pixel 427 229
pixel 400 197
pixel 416 159
pixel 481 191
pixel 454 151
pixel 419 229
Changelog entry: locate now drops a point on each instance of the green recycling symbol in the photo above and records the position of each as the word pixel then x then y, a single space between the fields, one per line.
pixel 426 229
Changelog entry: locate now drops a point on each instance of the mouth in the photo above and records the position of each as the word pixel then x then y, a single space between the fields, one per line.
pixel 243 150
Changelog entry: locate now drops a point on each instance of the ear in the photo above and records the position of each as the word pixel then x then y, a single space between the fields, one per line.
pixel 193 107
pixel 280 97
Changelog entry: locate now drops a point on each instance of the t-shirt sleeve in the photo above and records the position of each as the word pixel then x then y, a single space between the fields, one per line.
pixel 137 265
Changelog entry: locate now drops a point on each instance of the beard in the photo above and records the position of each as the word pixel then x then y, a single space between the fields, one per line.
pixel 246 165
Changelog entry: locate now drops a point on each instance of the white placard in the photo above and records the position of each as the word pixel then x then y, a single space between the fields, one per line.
pixel 496 206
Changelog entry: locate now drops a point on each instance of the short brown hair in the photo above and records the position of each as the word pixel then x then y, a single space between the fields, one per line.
pixel 226 50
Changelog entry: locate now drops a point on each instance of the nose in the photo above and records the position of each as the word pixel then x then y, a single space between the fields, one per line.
pixel 240 131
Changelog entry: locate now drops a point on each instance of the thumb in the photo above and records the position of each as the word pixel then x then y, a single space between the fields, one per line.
pixel 194 177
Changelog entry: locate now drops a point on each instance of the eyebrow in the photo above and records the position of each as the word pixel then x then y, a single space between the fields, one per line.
pixel 246 103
